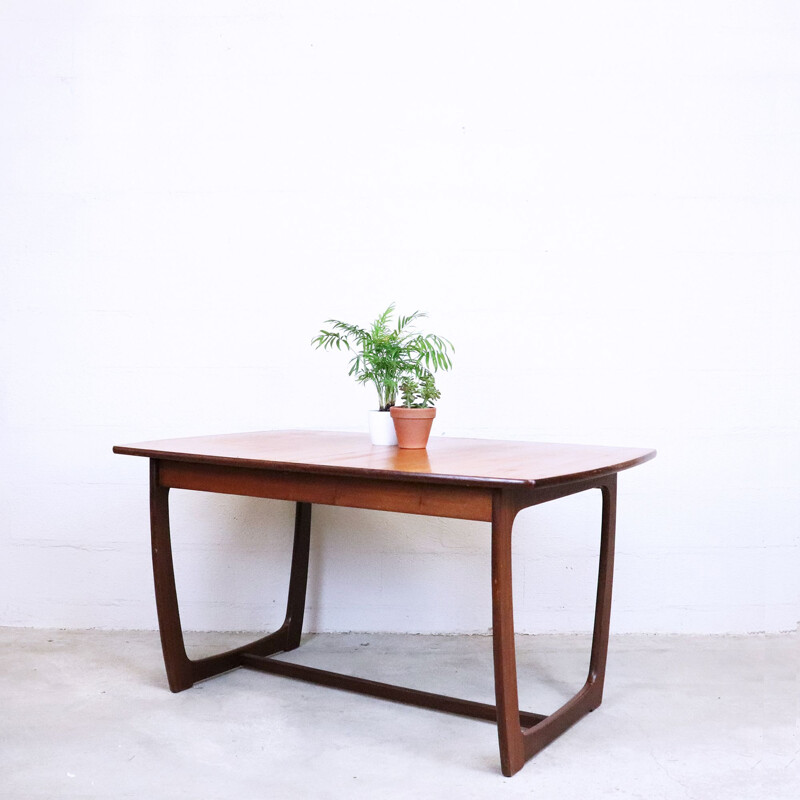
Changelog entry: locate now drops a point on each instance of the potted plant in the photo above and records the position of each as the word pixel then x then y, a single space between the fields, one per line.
pixel 384 355
pixel 413 419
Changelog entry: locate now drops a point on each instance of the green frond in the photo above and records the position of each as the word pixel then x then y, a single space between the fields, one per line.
pixel 404 322
pixel 387 357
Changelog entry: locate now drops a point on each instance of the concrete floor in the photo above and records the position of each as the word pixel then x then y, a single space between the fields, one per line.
pixel 87 714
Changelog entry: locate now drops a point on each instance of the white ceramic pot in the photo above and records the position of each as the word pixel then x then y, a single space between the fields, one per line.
pixel 381 428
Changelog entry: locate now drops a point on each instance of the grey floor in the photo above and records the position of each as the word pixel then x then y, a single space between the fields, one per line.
pixel 87 714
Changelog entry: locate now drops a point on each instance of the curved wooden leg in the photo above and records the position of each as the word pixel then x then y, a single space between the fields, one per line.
pixel 590 695
pixel 509 731
pixel 517 745
pixel 605 578
pixel 183 672
pixel 179 668
pixel 298 579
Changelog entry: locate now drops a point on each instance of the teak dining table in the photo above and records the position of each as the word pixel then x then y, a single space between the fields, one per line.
pixel 473 479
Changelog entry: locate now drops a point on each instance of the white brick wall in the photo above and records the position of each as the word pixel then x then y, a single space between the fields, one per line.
pixel 598 203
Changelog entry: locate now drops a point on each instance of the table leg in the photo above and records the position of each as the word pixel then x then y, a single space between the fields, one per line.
pixel 183 672
pixel 517 745
pixel 509 731
pixel 298 579
pixel 605 579
pixel 590 695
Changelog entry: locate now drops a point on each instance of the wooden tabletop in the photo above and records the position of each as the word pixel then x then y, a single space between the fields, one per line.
pixel 446 460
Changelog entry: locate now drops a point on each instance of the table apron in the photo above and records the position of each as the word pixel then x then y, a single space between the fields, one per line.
pixel 459 502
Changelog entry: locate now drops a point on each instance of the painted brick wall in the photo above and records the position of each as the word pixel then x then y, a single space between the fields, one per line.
pixel 598 203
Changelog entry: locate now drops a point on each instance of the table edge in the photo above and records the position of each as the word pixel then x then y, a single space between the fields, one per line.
pixel 382 474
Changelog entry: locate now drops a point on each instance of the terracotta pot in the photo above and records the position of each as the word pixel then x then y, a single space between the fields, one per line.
pixel 413 426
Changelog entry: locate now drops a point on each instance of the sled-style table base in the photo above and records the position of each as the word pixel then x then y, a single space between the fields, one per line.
pixel 475 479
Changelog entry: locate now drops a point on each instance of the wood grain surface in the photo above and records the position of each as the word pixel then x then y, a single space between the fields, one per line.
pixel 485 462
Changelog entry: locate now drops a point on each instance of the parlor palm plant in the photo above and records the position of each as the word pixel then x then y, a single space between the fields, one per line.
pixel 385 354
